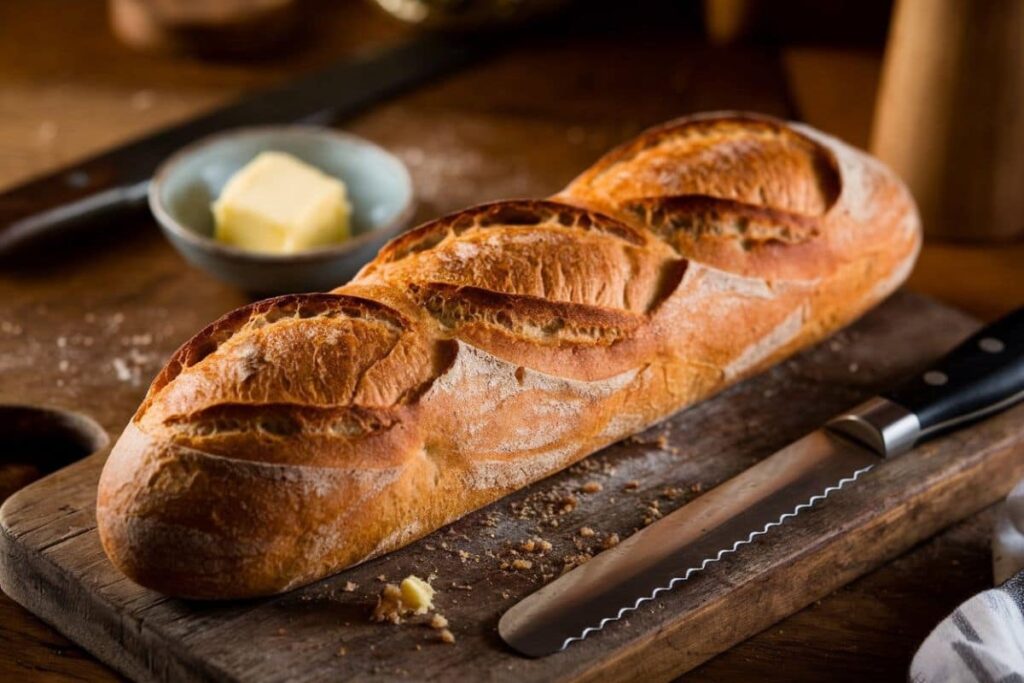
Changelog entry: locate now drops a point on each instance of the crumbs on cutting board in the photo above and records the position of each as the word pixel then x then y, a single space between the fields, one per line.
pixel 517 545
pixel 671 492
pixel 411 602
pixel 535 545
pixel 593 465
pixel 545 506
pixel 652 512
pixel 660 442
pixel 536 555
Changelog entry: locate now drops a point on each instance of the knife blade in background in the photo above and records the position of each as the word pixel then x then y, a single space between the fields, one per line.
pixel 116 181
pixel 982 376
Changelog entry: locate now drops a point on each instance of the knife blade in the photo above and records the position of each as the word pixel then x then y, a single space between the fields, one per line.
pixel 116 181
pixel 980 377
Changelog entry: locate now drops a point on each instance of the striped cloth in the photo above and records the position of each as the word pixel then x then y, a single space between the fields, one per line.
pixel 983 639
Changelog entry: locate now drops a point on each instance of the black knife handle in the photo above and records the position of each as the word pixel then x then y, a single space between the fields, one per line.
pixel 980 377
pixel 66 219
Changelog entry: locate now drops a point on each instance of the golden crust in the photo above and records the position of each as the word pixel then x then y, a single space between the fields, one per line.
pixel 747 158
pixel 492 347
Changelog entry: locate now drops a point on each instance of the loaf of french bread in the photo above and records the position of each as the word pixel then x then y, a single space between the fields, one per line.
pixel 492 347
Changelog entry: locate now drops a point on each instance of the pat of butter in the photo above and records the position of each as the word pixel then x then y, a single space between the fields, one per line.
pixel 417 594
pixel 281 205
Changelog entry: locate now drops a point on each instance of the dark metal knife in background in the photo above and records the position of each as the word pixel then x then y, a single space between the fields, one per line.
pixel 116 181
pixel 982 376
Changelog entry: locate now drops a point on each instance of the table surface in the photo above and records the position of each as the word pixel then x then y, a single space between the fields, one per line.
pixel 68 89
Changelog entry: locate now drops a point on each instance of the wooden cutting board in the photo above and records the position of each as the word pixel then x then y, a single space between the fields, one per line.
pixel 52 563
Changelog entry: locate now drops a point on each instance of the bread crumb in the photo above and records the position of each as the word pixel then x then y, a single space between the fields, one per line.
pixel 592 465
pixel 417 594
pixel 342 651
pixel 446 637
pixel 382 578
pixel 610 541
pixel 414 595
pixel 653 512
pixel 568 504
pixel 389 605
pixel 586 532
pixel 632 485
pixel 592 487
pixel 522 564
pixel 697 488
pixel 671 492
pixel 534 545
pixel 573 561
pixel 350 586
pixel 438 622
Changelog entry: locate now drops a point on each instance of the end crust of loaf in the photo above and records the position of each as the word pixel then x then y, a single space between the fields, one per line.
pixel 490 348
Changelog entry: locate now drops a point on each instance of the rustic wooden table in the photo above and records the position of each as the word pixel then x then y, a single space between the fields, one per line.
pixel 520 125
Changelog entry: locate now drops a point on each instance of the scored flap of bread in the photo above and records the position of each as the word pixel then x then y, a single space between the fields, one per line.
pixel 315 366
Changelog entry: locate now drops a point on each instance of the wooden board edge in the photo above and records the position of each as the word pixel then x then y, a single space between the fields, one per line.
pixel 41 587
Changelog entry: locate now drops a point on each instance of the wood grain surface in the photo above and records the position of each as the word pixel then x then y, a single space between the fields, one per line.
pixel 53 564
pixel 87 329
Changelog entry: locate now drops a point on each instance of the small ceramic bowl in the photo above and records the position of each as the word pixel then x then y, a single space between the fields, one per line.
pixel 185 186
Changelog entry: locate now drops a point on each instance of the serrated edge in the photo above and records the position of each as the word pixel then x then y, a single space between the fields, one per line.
pixel 721 553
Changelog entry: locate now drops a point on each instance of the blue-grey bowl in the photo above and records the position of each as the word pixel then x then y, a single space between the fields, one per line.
pixel 379 189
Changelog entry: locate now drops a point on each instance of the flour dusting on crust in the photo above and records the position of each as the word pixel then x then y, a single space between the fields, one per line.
pixel 505 474
pixel 715 281
pixel 781 334
pixel 860 175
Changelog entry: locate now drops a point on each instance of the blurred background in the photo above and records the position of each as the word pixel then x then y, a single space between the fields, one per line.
pixel 933 87
pixel 559 83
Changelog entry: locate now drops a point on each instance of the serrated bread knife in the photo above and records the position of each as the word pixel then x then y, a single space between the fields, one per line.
pixel 982 376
